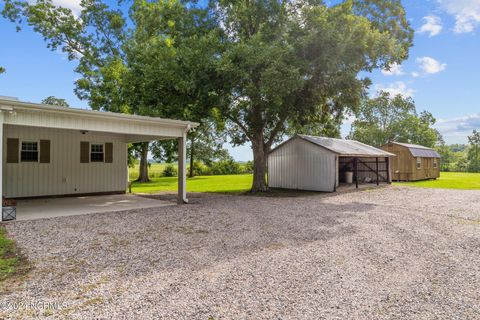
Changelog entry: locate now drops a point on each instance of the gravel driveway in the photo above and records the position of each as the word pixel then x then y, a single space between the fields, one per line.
pixel 390 253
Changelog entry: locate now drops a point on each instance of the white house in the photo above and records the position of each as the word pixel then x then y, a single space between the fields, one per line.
pixel 319 164
pixel 56 151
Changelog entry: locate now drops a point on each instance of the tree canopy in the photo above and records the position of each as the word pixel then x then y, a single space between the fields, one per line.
pixel 385 118
pixel 54 101
pixel 290 63
pixel 259 68
pixel 473 154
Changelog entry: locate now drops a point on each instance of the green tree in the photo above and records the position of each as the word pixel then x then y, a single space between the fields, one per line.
pixel 448 157
pixel 2 70
pixel 157 61
pixel 54 101
pixel 290 62
pixel 386 118
pixel 473 155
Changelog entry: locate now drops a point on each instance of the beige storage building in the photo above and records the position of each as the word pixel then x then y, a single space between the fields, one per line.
pixel 413 162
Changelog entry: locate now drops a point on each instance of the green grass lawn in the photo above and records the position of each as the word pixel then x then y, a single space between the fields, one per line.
pixel 243 182
pixel 449 180
pixel 225 184
pixel 8 257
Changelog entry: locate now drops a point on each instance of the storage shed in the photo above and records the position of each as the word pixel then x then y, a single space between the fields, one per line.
pixel 413 162
pixel 319 164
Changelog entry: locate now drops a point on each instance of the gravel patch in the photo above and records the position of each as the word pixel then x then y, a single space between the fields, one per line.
pixel 390 253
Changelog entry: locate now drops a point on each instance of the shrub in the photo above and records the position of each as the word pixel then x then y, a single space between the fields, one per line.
pixel 226 167
pixel 169 171
pixel 248 167
pixel 199 169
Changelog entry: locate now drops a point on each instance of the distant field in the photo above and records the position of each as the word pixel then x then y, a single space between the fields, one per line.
pixel 229 184
pixel 155 171
pixel 449 180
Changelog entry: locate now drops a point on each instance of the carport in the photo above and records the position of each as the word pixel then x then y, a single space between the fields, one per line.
pixel 52 151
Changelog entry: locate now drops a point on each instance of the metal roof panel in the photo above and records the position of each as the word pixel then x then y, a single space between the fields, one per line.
pixel 347 147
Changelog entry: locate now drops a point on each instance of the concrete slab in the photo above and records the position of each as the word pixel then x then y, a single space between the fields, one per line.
pixel 30 209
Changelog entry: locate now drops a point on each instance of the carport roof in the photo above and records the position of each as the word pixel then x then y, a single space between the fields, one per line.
pixel 346 148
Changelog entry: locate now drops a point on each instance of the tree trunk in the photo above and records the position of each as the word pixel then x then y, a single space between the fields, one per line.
pixel 143 170
pixel 192 140
pixel 260 153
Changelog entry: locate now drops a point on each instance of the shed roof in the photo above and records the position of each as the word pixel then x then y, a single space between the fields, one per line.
pixel 419 151
pixel 346 148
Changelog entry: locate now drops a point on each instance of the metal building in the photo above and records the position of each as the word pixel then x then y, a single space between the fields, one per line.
pixel 320 164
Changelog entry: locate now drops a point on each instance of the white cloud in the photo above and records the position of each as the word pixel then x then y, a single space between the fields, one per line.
pixel 430 65
pixel 456 130
pixel 415 74
pixel 396 88
pixel 73 5
pixel 466 13
pixel 395 70
pixel 432 26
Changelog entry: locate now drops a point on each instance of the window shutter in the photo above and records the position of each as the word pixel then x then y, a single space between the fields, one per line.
pixel 84 152
pixel 12 150
pixel 44 151
pixel 108 152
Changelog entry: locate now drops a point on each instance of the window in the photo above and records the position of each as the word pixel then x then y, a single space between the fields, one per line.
pixel 419 163
pixel 96 152
pixel 29 151
pixel 435 163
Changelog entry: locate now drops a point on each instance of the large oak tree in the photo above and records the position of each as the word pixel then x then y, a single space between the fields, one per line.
pixel 290 63
pixel 154 60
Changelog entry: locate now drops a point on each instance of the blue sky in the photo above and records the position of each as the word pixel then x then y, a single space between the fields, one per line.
pixel 442 73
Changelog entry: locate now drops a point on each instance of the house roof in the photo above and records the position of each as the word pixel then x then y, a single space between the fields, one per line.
pixel 346 148
pixel 14 102
pixel 135 128
pixel 419 151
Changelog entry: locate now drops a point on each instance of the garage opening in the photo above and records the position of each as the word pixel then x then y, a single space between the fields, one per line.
pixel 362 170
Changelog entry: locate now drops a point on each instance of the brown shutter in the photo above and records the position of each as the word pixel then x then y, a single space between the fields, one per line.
pixel 12 150
pixel 108 152
pixel 44 151
pixel 84 152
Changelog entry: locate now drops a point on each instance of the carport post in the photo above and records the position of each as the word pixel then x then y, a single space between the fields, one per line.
pixel 1 165
pixel 182 179
pixel 355 164
pixel 376 169
pixel 389 176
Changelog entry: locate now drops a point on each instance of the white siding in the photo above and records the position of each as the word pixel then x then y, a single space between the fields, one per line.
pixel 299 164
pixel 64 174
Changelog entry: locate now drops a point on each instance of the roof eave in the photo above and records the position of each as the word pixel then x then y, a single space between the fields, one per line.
pixel 28 106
